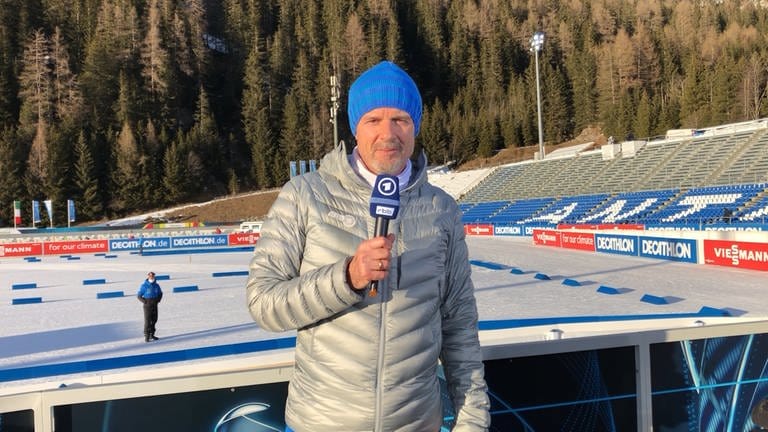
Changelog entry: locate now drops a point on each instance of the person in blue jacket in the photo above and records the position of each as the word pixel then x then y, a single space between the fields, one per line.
pixel 150 294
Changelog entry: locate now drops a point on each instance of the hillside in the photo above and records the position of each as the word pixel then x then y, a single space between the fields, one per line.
pixel 255 205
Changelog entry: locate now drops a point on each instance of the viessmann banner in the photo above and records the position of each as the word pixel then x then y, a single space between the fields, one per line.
pixel 728 253
pixel 478 229
pixel 20 249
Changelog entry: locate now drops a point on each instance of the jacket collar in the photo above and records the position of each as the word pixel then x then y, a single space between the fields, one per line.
pixel 337 163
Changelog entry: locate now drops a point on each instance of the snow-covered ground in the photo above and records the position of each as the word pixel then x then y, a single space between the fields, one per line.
pixel 72 324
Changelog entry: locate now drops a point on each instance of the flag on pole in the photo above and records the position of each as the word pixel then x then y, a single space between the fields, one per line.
pixel 71 210
pixel 36 212
pixel 49 208
pixel 16 213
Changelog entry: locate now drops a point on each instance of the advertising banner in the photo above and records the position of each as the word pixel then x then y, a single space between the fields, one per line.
pixel 36 212
pixel 547 238
pixel 508 230
pixel 199 241
pixel 671 249
pixel 616 244
pixel 478 229
pixel 602 227
pixel 71 216
pixel 132 244
pixel 243 239
pixel 728 253
pixel 580 241
pixel 20 249
pixel 81 246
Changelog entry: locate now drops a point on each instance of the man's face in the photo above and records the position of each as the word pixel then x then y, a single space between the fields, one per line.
pixel 385 139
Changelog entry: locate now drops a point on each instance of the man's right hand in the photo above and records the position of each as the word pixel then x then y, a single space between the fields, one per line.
pixel 371 261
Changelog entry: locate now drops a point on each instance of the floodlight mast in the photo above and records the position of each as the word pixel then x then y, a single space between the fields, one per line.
pixel 537 43
pixel 335 93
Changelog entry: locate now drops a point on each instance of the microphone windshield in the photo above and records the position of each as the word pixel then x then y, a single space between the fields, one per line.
pixel 385 199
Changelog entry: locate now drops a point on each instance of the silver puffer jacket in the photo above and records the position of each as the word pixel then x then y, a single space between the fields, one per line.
pixel 370 363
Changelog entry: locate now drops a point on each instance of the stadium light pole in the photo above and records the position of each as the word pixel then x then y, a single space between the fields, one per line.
pixel 537 42
pixel 335 95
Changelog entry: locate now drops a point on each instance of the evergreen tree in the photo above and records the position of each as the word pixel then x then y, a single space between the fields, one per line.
pixel 11 181
pixel 127 179
pixel 433 135
pixel 86 184
pixel 256 124
pixel 175 174
pixel 644 118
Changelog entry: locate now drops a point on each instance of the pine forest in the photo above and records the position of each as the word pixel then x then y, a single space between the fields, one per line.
pixel 131 105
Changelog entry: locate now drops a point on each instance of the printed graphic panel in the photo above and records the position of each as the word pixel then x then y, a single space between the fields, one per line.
pixel 581 391
pixel 716 384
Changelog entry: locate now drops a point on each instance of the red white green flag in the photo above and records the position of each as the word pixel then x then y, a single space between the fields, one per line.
pixel 17 212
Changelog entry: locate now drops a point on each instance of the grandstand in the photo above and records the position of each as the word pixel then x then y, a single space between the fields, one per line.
pixel 691 177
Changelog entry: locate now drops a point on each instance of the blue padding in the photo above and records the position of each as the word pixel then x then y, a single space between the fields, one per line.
pixel 714 311
pixel 96 365
pixel 24 285
pixel 162 277
pixel 185 288
pixel 530 322
pixel 608 290
pixel 65 256
pixel 110 256
pixel 571 282
pixel 94 281
pixel 516 271
pixel 73 258
pixel 99 254
pixel 541 276
pixel 486 264
pixel 31 259
pixel 198 251
pixel 652 299
pixel 230 273
pixel 109 294
pixel 27 300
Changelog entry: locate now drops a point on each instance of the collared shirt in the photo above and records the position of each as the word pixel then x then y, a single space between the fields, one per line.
pixel 359 167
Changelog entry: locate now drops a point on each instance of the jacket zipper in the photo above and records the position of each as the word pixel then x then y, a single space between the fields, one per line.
pixel 383 292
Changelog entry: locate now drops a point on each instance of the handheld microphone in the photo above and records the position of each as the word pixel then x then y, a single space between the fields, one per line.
pixel 385 203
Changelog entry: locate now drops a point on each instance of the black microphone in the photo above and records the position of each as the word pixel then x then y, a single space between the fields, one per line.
pixel 385 203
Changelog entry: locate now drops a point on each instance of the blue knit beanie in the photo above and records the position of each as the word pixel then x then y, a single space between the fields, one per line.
pixel 383 86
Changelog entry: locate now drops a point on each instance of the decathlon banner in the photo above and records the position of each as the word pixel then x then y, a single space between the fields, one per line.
pixel 132 244
pixel 508 230
pixel 616 244
pixel 671 249
pixel 199 241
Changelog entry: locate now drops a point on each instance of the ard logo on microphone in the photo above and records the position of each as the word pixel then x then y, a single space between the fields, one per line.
pixel 385 200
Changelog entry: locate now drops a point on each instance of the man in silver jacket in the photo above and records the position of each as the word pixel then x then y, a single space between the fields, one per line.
pixel 370 362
